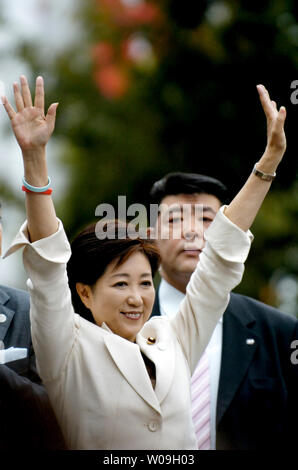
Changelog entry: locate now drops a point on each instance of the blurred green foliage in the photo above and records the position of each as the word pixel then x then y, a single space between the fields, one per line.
pixel 189 104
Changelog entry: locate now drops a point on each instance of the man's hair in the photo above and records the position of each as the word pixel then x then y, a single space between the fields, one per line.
pixel 90 257
pixel 188 183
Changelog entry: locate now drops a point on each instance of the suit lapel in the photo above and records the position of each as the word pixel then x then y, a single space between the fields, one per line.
pixel 4 297
pixel 238 348
pixel 237 354
pixel 156 309
pixel 132 367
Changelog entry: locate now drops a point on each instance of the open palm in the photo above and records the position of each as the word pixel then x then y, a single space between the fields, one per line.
pixel 31 126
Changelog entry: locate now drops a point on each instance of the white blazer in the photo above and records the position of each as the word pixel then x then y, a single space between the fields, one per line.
pixel 97 381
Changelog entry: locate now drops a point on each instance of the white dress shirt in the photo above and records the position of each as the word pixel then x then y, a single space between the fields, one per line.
pixel 169 301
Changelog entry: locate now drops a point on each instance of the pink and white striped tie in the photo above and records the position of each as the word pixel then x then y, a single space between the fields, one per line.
pixel 200 399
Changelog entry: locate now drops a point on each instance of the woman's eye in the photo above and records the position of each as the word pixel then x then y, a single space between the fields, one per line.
pixel 174 220
pixel 120 284
pixel 147 283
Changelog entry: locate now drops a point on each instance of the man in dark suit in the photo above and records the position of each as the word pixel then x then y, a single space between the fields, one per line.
pixel 15 329
pixel 27 419
pixel 26 416
pixel 253 383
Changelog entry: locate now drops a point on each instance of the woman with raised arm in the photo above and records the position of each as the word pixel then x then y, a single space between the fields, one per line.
pixel 116 380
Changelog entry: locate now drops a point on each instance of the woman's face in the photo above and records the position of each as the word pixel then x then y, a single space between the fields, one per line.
pixel 122 297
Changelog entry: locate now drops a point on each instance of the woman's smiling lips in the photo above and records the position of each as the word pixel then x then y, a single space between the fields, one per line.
pixel 132 315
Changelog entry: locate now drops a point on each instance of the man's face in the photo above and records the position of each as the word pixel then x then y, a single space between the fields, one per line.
pixel 181 251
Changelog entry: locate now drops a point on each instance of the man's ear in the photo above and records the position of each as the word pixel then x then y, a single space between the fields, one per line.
pixel 85 293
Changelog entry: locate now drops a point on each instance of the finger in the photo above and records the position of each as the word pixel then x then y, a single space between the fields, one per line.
pixel 51 115
pixel 25 91
pixel 274 104
pixel 278 126
pixel 39 94
pixel 9 109
pixel 263 93
pixel 266 91
pixel 281 117
pixel 266 102
pixel 18 97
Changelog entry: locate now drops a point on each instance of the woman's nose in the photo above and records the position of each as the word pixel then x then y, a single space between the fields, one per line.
pixel 135 299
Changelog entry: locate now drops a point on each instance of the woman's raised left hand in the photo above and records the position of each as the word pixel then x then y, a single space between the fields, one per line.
pixel 276 139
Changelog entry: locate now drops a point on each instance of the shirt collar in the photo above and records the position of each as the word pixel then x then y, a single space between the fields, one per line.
pixel 170 299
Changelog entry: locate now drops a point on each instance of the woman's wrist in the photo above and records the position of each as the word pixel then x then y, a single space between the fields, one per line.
pixel 34 155
pixel 269 161
pixel 35 167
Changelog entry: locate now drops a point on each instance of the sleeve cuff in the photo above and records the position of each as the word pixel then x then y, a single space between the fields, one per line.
pixel 227 239
pixel 54 248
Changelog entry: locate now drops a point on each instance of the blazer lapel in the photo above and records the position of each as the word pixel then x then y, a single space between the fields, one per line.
pixel 238 348
pixel 131 365
pixel 161 353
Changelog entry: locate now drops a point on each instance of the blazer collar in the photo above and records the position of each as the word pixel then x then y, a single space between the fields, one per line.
pixel 132 366
pixel 240 342
pixel 4 298
pixel 127 357
pixel 161 353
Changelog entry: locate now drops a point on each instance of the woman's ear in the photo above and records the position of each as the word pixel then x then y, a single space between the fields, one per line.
pixel 85 293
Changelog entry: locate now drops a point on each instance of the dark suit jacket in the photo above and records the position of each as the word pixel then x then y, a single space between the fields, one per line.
pixel 26 417
pixel 257 403
pixel 15 330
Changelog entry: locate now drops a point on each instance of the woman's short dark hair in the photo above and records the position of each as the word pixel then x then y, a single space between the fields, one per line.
pixel 91 256
pixel 188 183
